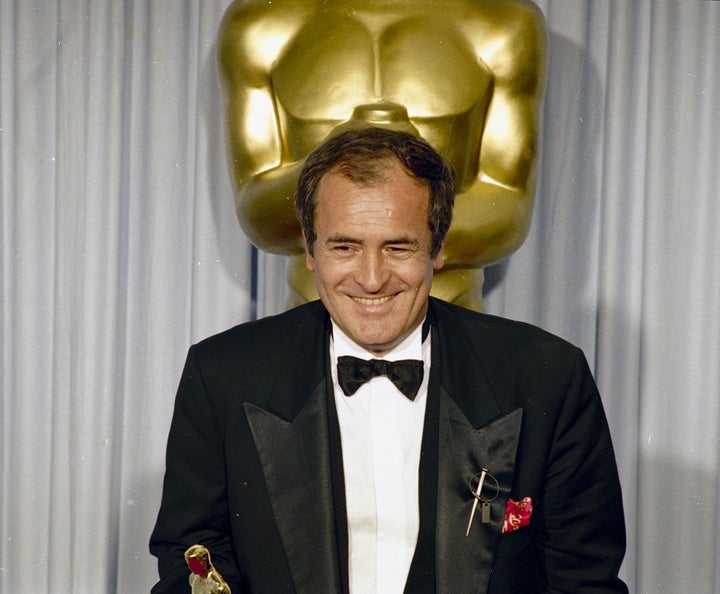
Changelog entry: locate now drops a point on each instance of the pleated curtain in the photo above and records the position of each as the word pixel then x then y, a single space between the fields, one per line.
pixel 120 248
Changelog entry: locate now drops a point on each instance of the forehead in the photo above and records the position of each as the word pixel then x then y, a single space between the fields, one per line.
pixel 396 199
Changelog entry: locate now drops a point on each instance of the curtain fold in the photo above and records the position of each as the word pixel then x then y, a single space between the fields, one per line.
pixel 120 248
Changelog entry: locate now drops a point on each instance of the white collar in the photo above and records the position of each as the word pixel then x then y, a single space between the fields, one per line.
pixel 409 348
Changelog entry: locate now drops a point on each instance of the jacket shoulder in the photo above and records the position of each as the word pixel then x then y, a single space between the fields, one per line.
pixel 272 332
pixel 508 350
pixel 259 348
pixel 502 331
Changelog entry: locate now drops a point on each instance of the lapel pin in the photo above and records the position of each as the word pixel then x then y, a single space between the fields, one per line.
pixel 485 489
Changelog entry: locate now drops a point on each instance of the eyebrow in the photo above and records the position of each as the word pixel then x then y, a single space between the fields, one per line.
pixel 341 239
pixel 404 240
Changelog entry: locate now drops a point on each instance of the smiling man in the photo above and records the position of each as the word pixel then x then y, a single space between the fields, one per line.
pixel 372 254
pixel 382 441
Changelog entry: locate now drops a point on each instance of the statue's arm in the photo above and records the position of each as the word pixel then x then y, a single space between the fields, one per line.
pixel 492 216
pixel 249 42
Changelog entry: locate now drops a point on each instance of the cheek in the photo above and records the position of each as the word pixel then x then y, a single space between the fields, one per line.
pixel 422 273
pixel 327 274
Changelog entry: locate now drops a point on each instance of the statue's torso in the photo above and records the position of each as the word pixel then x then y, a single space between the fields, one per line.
pixel 297 70
pixel 356 55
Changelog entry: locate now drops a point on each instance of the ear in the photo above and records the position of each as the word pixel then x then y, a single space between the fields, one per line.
pixel 439 260
pixel 309 259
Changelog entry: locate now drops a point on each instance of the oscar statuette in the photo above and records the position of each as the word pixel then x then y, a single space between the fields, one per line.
pixel 204 578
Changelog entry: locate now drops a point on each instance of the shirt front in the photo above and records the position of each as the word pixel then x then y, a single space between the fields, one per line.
pixel 381 434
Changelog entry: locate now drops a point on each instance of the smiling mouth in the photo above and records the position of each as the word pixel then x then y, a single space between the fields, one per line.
pixel 373 300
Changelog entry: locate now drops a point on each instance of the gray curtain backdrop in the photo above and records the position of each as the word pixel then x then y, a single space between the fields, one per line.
pixel 120 248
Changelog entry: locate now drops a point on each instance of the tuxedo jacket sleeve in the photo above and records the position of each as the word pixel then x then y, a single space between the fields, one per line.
pixel 248 465
pixel 214 491
pixel 576 538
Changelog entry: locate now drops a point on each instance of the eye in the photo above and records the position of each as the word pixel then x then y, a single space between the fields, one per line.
pixel 399 251
pixel 342 249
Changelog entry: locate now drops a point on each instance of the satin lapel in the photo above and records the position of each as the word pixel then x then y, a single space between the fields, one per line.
pixel 293 445
pixel 464 562
pixel 474 433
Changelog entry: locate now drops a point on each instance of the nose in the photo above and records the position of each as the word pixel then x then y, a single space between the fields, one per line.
pixel 372 272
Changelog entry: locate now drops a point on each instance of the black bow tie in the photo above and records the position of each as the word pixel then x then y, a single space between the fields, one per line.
pixel 407 375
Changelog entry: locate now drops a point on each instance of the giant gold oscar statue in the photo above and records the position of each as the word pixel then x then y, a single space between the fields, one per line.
pixel 466 75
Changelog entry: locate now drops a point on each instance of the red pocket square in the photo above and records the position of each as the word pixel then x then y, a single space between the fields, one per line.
pixel 517 514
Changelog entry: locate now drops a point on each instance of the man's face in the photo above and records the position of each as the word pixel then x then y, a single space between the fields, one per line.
pixel 371 258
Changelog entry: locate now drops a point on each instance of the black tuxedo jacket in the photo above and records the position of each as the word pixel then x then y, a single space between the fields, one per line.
pixel 252 462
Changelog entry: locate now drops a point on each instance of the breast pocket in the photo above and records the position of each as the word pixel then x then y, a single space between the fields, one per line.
pixel 516 543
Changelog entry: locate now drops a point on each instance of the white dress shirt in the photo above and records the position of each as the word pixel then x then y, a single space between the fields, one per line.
pixel 381 433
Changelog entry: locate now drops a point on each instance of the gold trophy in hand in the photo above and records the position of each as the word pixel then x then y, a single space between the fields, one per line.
pixel 204 578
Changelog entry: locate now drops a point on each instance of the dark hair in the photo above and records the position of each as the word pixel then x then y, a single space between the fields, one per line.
pixel 362 155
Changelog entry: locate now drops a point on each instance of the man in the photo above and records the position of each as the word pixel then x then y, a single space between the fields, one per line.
pixel 493 472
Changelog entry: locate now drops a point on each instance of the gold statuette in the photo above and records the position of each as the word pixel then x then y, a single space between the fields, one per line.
pixel 204 578
pixel 466 75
